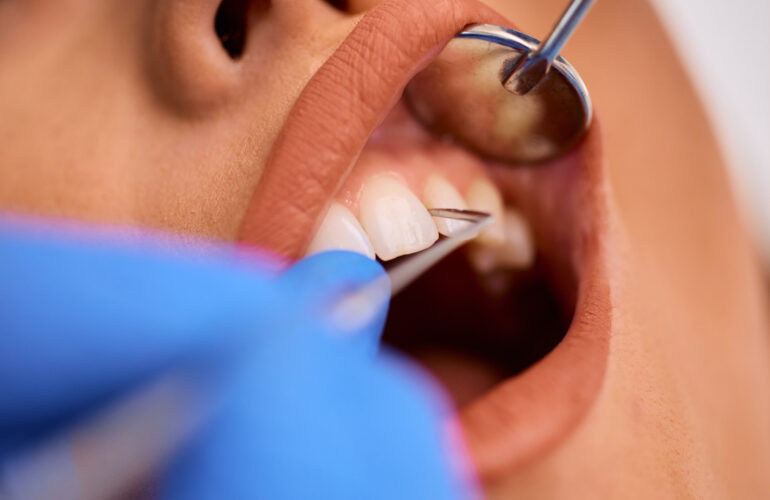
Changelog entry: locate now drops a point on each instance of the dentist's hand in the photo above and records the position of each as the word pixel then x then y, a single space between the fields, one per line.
pixel 302 407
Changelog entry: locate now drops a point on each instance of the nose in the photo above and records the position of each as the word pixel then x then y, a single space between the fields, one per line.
pixel 207 54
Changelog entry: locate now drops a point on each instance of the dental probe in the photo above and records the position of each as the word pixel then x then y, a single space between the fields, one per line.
pixel 359 306
pixel 532 68
pixel 413 267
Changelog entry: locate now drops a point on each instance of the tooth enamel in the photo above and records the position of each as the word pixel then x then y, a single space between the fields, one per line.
pixel 395 220
pixel 517 252
pixel 519 248
pixel 439 193
pixel 484 196
pixel 340 230
pixel 482 258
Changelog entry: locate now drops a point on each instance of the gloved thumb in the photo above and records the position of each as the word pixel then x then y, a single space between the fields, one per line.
pixel 349 291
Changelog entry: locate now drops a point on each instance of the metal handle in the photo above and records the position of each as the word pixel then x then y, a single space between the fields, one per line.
pixel 531 69
pixel 360 306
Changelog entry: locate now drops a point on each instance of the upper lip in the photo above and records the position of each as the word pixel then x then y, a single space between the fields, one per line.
pixel 327 128
pixel 339 109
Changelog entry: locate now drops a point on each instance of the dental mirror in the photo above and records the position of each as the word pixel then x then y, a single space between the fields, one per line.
pixel 504 94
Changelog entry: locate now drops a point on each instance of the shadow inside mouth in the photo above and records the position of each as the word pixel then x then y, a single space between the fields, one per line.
pixel 474 331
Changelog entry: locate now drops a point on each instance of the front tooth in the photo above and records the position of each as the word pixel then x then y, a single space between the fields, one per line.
pixel 485 197
pixel 395 220
pixel 439 193
pixel 340 230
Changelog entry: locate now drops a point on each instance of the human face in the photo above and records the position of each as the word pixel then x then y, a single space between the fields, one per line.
pixel 133 113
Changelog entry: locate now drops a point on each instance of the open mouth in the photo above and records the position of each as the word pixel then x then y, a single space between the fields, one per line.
pixel 517 324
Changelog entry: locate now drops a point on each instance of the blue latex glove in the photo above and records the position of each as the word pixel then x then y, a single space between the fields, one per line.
pixel 296 407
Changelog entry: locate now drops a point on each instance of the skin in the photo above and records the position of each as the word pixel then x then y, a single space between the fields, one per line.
pixel 131 113
pixel 686 389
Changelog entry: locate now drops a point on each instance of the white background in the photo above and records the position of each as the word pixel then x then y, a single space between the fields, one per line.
pixel 726 48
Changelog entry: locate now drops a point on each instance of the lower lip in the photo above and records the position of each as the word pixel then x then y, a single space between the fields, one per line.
pixel 524 416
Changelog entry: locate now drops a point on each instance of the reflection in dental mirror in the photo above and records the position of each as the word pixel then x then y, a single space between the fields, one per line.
pixel 461 96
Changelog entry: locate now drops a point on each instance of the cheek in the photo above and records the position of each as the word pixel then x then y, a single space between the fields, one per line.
pixel 218 153
pixel 127 131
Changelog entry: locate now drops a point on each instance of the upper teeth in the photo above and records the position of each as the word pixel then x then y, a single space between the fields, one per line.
pixel 483 196
pixel 439 193
pixel 517 252
pixel 392 221
pixel 340 230
pixel 394 218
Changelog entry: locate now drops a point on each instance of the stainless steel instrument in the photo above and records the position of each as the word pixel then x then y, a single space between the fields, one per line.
pixel 504 94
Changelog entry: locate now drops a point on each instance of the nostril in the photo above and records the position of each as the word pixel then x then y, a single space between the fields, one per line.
pixel 232 23
pixel 342 5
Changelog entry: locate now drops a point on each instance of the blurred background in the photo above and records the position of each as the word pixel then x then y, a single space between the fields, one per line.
pixel 724 45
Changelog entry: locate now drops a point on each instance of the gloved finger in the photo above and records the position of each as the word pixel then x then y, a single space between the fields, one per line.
pixel 318 421
pixel 329 282
pixel 318 276
pixel 80 321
